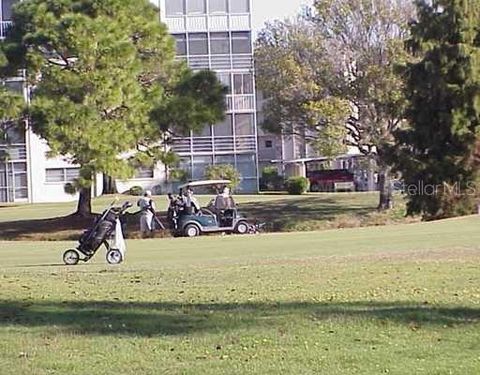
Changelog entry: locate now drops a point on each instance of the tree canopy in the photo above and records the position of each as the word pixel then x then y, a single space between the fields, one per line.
pixel 331 76
pixel 439 155
pixel 106 83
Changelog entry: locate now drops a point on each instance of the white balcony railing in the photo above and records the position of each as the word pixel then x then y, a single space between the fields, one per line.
pixel 242 61
pixel 4 26
pixel 243 103
pixel 212 22
pixel 209 145
pixel 240 22
pixel 219 62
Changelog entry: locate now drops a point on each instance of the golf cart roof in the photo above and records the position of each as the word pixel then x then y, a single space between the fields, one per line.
pixel 205 183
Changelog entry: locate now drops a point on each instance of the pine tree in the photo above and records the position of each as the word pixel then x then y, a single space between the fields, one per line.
pixel 103 71
pixel 438 155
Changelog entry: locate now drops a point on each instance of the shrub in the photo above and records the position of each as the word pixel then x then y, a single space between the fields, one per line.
pixel 271 180
pixel 223 172
pixel 136 191
pixel 297 185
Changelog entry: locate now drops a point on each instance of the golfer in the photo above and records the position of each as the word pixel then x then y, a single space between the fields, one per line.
pixel 147 207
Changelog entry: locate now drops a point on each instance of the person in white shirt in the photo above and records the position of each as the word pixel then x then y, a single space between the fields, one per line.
pixel 147 207
pixel 191 203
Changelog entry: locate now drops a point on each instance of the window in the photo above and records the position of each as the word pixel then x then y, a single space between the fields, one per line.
pixel 224 129
pixel 181 40
pixel 61 175
pixel 14 135
pixel 175 7
pixel 226 80
pixel 248 186
pixel 241 42
pixel 7 9
pixel 218 6
pixel 200 163
pixel 16 86
pixel 244 124
pixel 196 7
pixel 185 164
pixel 225 160
pixel 268 144
pixel 246 165
pixel 243 84
pixel 220 43
pixel 239 6
pixel 198 44
pixel 143 173
pixel 71 174
pixel 205 132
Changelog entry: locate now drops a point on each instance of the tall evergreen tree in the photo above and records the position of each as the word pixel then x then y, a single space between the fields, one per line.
pixel 102 72
pixel 439 154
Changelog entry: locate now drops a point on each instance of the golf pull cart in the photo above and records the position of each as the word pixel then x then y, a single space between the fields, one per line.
pixel 106 230
pixel 220 216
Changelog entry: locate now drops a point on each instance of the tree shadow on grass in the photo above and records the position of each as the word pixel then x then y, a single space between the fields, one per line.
pixel 169 318
pixel 64 228
pixel 283 213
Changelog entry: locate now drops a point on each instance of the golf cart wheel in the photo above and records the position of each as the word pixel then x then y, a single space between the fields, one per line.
pixel 114 256
pixel 191 230
pixel 71 257
pixel 242 228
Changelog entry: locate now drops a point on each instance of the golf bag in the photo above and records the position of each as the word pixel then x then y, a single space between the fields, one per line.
pixel 107 227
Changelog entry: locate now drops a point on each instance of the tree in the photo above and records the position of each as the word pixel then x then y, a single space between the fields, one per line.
pixel 345 58
pixel 439 155
pixel 293 75
pixel 103 73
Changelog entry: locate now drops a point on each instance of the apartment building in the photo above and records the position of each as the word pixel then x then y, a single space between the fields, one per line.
pixel 217 35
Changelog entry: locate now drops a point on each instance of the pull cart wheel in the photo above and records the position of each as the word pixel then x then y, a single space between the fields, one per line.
pixel 71 257
pixel 114 256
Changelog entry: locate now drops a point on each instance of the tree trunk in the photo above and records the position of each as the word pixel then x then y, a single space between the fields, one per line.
pixel 386 198
pixel 109 185
pixel 84 207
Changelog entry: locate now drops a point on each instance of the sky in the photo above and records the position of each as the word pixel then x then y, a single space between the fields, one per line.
pixel 264 10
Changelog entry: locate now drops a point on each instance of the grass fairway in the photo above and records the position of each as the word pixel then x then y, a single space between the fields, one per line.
pixel 401 300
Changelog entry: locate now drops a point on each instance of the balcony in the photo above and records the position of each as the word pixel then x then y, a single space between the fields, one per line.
pixel 4 27
pixel 219 62
pixel 240 103
pixel 213 22
pixel 215 145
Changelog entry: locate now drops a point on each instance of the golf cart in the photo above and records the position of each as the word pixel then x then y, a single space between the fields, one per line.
pixel 220 216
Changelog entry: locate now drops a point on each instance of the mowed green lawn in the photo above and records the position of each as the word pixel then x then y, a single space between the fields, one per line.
pixel 399 299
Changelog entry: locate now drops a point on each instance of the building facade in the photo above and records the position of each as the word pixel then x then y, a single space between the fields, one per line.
pixel 210 34
pixel 14 181
pixel 217 35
